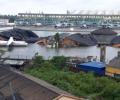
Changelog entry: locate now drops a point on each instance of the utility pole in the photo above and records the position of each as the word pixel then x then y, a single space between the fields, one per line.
pixel 102 53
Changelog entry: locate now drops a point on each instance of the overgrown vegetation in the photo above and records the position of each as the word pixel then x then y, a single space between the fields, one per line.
pixel 80 84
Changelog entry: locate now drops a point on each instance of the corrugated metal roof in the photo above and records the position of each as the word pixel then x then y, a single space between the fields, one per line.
pixel 104 31
pixel 26 87
pixel 20 34
pixel 83 39
pixel 104 39
pixel 115 62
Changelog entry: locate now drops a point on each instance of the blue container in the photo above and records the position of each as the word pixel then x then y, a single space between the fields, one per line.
pixel 96 67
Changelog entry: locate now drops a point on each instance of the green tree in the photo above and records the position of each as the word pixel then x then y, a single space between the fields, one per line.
pixel 47 65
pixel 59 61
pixel 57 40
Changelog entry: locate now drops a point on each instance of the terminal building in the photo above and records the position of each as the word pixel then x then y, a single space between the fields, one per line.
pixel 4 22
pixel 75 19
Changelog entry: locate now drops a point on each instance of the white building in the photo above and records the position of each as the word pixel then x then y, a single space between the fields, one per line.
pixel 4 22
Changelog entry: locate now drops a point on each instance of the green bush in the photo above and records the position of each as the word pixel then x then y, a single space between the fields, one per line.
pixel 79 84
pixel 111 91
pixel 59 61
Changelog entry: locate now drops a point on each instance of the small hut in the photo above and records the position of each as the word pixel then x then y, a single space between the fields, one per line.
pixel 113 68
pixel 104 36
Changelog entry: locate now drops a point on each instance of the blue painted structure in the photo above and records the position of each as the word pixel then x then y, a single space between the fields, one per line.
pixel 96 67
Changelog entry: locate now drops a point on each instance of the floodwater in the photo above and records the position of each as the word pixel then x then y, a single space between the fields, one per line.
pixel 32 49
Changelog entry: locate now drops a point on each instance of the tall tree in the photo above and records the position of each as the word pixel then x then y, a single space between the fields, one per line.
pixel 57 40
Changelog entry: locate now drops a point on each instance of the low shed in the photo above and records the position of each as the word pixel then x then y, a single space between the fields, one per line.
pixel 113 68
pixel 96 67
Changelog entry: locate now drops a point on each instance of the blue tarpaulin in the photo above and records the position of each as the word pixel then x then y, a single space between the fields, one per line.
pixel 96 67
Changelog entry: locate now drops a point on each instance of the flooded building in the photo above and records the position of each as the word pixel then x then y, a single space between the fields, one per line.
pixel 43 41
pixel 76 40
pixel 20 34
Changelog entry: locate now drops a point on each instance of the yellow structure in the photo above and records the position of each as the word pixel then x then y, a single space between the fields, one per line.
pixel 110 71
pixel 113 68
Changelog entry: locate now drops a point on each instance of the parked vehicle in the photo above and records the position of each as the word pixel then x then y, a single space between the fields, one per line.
pixel 63 25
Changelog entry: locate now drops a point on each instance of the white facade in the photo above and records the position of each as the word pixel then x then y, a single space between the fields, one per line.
pixel 4 21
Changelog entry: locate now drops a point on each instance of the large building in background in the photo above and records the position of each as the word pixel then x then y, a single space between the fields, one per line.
pixel 74 19
pixel 4 22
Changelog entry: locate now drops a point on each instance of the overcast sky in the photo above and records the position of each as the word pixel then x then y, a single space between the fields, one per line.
pixel 56 6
